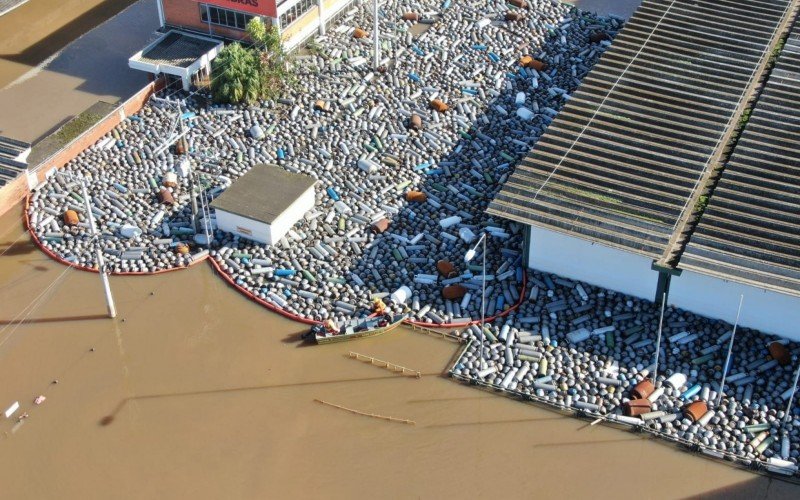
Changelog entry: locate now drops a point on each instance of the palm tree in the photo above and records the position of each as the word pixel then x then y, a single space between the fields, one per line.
pixel 236 75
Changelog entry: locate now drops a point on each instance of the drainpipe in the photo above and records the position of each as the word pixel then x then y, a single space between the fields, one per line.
pixel 526 247
pixel 665 275
pixel 321 7
pixel 160 5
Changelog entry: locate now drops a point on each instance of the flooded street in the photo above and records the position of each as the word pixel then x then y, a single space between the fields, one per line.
pixel 40 28
pixel 193 391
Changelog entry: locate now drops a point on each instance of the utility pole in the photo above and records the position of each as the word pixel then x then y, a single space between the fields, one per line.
pixel 788 415
pixel 658 341
pixel 101 264
pixel 730 349
pixel 377 61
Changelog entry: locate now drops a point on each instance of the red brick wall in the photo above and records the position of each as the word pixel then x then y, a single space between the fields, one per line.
pixel 14 191
pixel 186 14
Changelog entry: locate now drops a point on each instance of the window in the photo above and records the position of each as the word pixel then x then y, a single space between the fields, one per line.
pixel 296 11
pixel 224 17
pixel 243 230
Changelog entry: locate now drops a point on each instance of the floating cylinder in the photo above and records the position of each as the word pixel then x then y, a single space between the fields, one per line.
pixel 706 418
pixel 12 409
pixel 695 410
pixel 508 378
pixel 256 132
pixel 643 389
pixel 780 353
pixel 439 105
pixel 130 231
pixel 487 371
pixel 636 407
pixel 655 395
pixel 692 391
pixel 416 196
pixel 170 180
pixel 466 235
pixel 578 335
pixel 380 226
pixel 71 218
pixel 453 292
pixel 165 197
pixel 676 380
pixel 530 62
pixel 583 405
pixel 525 113
pixel 401 295
pixel 368 166
pixel 450 221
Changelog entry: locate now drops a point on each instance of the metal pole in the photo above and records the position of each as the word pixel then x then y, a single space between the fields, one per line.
pixel 377 61
pixel 791 396
pixel 730 348
pixel 483 298
pixel 658 341
pixel 112 310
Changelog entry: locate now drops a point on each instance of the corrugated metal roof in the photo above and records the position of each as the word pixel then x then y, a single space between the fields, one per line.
pixel 263 193
pixel 178 49
pixel 750 230
pixel 622 159
pixel 11 152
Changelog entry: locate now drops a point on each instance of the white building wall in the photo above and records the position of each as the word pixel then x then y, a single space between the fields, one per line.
pixel 229 222
pixel 285 221
pixel 765 310
pixel 261 232
pixel 593 263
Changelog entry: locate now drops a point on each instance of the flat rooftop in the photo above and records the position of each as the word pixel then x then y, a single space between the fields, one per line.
pixel 177 49
pixel 263 193
pixel 750 231
pixel 623 158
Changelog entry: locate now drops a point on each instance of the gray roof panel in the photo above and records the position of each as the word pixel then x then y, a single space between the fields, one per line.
pixel 624 156
pixel 263 193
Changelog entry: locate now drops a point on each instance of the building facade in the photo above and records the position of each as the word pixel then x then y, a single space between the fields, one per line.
pixel 627 191
pixel 297 20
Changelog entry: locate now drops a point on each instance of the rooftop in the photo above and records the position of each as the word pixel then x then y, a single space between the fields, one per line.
pixel 13 158
pixel 621 162
pixel 177 49
pixel 263 193
pixel 750 231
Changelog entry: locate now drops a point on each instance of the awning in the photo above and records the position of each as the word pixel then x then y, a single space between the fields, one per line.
pixel 177 53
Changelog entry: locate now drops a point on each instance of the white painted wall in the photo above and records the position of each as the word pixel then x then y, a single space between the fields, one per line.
pixel 594 263
pixel 268 234
pixel 228 222
pixel 285 221
pixel 765 310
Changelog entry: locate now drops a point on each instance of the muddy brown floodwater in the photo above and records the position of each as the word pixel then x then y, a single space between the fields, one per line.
pixel 40 28
pixel 196 392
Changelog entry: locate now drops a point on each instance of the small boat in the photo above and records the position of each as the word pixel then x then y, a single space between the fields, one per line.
pixel 357 328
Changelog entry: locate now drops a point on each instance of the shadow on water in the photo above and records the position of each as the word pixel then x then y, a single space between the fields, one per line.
pixel 298 340
pixel 10 249
pixel 47 46
pixel 61 319
pixel 560 444
pixel 108 419
pixel 494 422
pixel 751 489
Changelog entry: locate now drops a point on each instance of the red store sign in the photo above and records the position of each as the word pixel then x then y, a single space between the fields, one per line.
pixel 260 7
